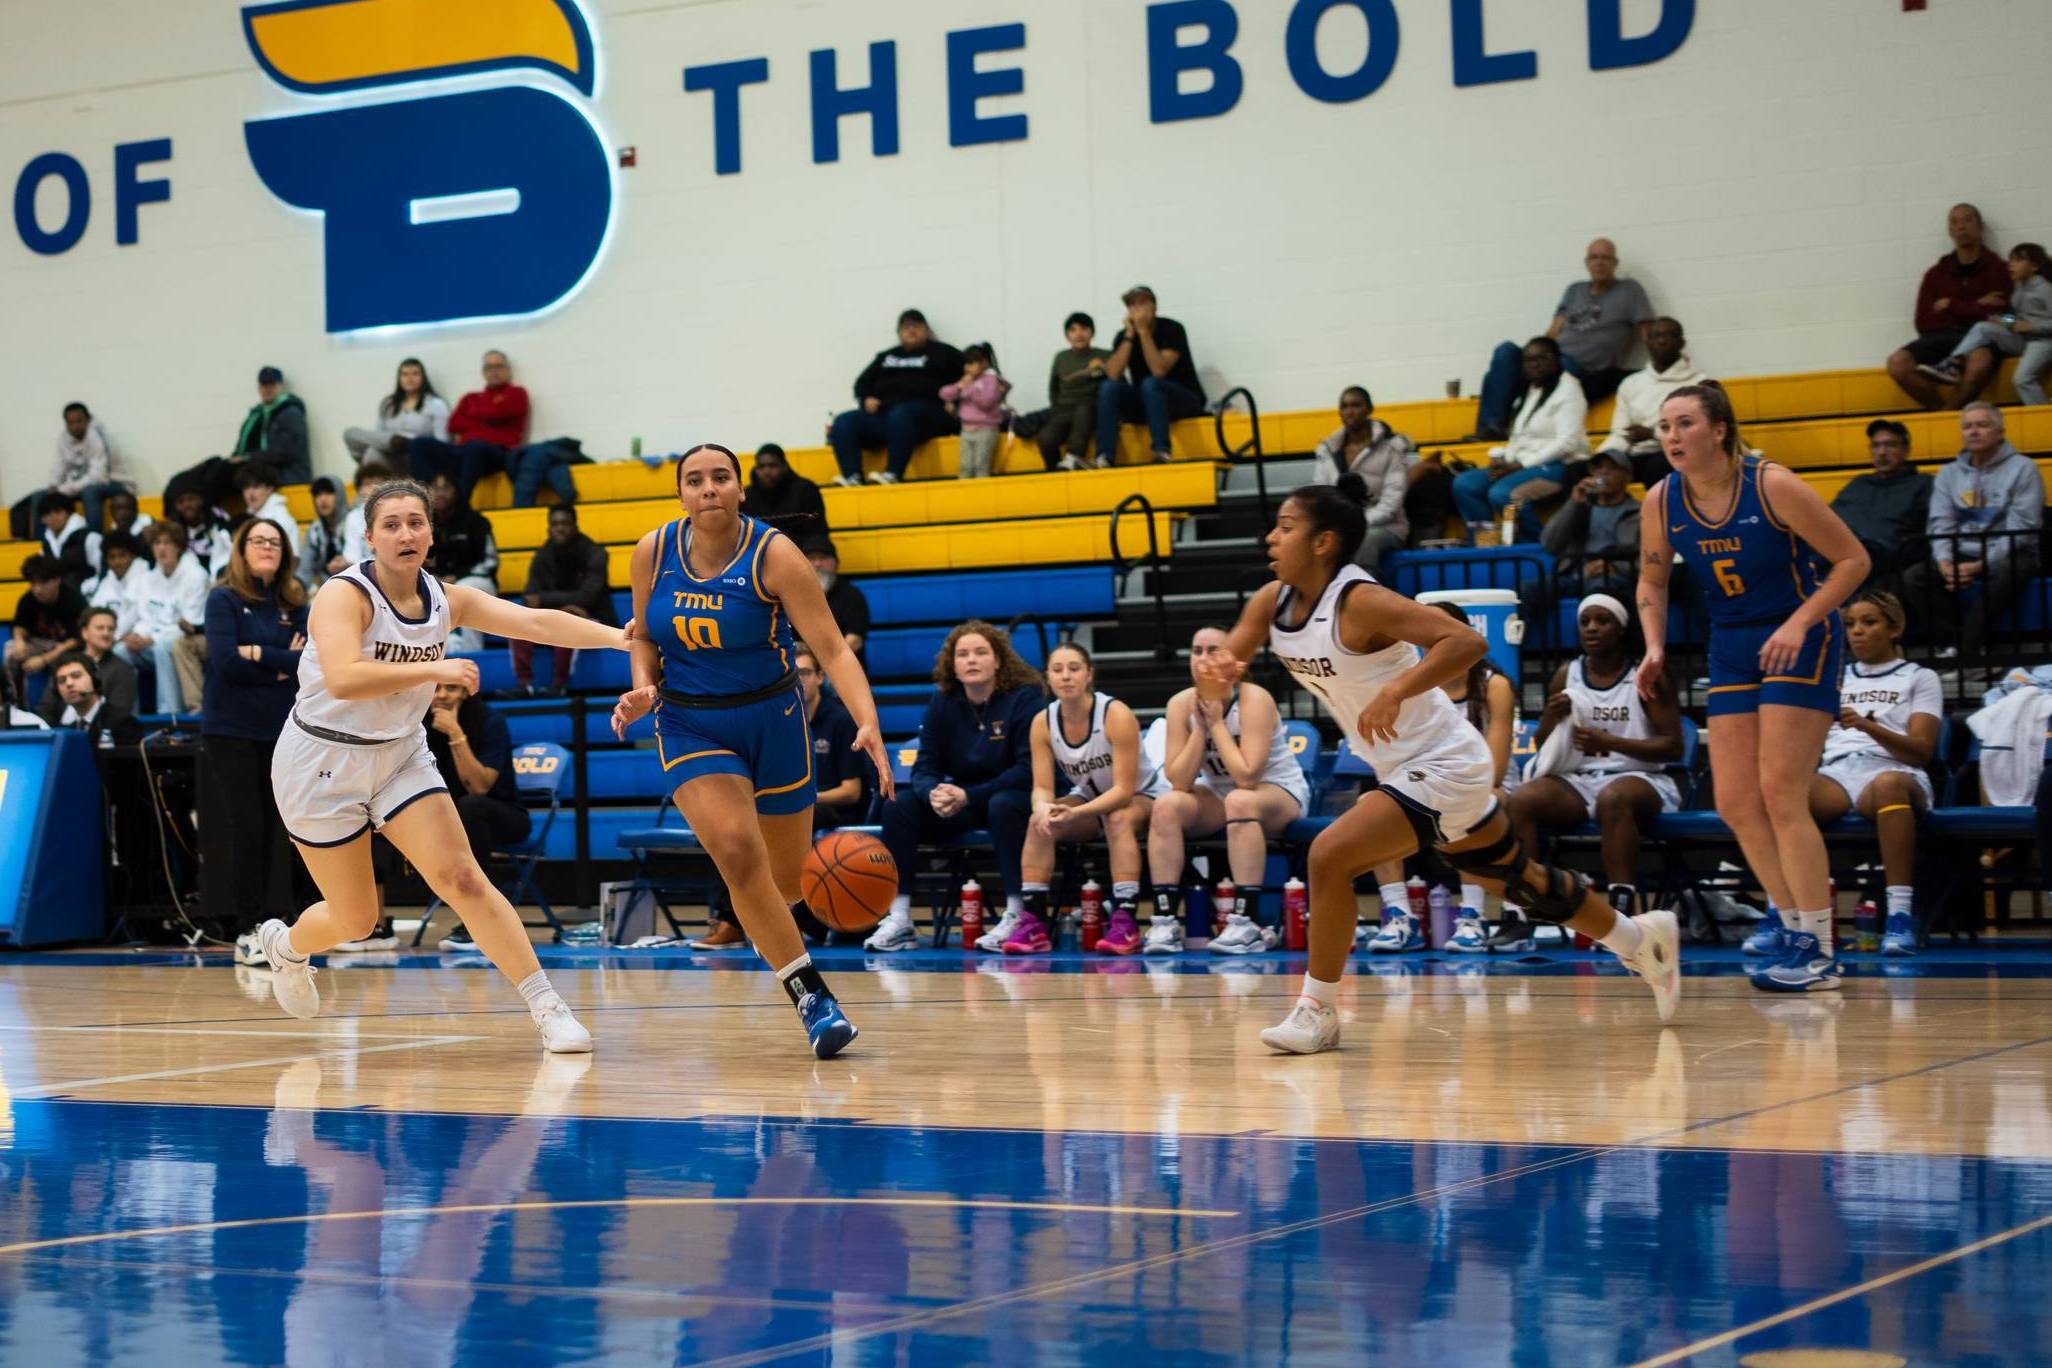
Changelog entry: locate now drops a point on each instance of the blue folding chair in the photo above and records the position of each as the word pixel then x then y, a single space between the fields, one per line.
pixel 539 769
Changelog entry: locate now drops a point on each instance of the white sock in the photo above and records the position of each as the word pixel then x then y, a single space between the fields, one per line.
pixel 1624 938
pixel 793 967
pixel 1015 904
pixel 1899 899
pixel 536 992
pixel 1471 897
pixel 1818 924
pixel 901 907
pixel 1319 991
pixel 1126 890
pixel 1396 898
pixel 292 952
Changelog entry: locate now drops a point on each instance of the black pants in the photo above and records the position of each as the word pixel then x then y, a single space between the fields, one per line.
pixel 910 819
pixel 248 869
pixel 2001 584
pixel 2045 828
pixel 1429 503
pixel 1069 423
pixel 489 823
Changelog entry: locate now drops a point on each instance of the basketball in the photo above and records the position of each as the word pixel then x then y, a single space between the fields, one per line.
pixel 849 880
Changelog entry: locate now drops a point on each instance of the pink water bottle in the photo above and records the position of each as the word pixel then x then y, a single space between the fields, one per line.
pixel 1091 904
pixel 1421 902
pixel 1296 913
pixel 972 913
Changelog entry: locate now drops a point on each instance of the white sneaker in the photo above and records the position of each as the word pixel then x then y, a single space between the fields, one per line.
pixel 882 477
pixel 1470 936
pixel 1399 934
pixel 1308 1029
pixel 893 935
pixel 1070 462
pixel 994 939
pixel 1658 960
pixel 1164 937
pixel 291 982
pixel 1240 937
pixel 249 950
pixel 561 1032
pixel 1102 462
pixel 848 481
pixel 368 945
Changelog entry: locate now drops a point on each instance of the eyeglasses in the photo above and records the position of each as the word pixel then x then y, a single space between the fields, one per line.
pixel 262 543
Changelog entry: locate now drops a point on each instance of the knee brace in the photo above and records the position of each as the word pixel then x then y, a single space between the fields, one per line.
pixel 1546 894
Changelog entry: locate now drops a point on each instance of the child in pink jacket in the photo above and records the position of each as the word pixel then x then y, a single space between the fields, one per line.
pixel 978 399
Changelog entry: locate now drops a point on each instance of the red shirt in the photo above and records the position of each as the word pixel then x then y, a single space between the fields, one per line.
pixel 496 414
pixel 1964 286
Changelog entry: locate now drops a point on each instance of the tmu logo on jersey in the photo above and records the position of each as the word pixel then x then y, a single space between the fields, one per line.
pixel 469 203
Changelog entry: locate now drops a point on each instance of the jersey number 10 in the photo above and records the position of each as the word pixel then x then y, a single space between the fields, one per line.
pixel 699 633
pixel 1727 578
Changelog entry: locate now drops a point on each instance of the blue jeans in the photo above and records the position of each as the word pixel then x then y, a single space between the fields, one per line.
pixel 90 500
pixel 1154 401
pixel 1482 501
pixel 899 430
pixel 540 463
pixel 157 660
pixel 464 465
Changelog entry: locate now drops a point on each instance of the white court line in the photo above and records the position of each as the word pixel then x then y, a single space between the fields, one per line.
pixel 144 1026
pixel 50 1089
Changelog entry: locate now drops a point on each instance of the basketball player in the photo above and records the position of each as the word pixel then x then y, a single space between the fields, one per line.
pixel 1757 538
pixel 719 595
pixel 1357 646
pixel 1226 765
pixel 1103 769
pixel 355 758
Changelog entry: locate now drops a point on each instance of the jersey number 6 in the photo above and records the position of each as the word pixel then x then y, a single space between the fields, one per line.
pixel 1727 578
pixel 699 633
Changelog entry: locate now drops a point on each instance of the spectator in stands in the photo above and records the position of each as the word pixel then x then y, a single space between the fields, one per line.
pixel 1611 769
pixel 1548 424
pixel 850 606
pixel 463 551
pixel 125 515
pixel 546 463
pixel 1594 537
pixel 1968 284
pixel 473 748
pixel 113 677
pixel 261 499
pixel 412 410
pixel 207 534
pixel 1598 324
pixel 1429 504
pixel 75 685
pixel 1072 384
pixel 1887 509
pixel 255 629
pixel 1637 412
pixel 977 401
pixel 844 778
pixel 1987 512
pixel 321 542
pixel 488 426
pixel 114 587
pixel 274 430
pixel 45 623
pixel 975 768
pixel 66 539
pixel 170 603
pixel 1381 458
pixel 1149 377
pixel 2024 331
pixel 355 547
pixel 84 467
pixel 569 573
pixel 782 497
pixel 897 403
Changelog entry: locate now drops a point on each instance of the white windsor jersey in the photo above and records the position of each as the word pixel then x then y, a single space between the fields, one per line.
pixel 1280 769
pixel 1891 695
pixel 390 638
pixel 1618 710
pixel 1088 765
pixel 1428 724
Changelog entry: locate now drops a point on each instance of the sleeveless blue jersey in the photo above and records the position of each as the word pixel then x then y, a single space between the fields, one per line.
pixel 720 635
pixel 1753 568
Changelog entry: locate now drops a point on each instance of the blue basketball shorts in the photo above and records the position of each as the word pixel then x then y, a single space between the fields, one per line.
pixel 1738 685
pixel 768 743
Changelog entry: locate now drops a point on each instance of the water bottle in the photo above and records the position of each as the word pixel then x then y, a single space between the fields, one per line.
pixel 634 448
pixel 971 913
pixel 1440 905
pixel 1509 530
pixel 1421 904
pixel 1221 906
pixel 1091 900
pixel 1296 913
pixel 1867 926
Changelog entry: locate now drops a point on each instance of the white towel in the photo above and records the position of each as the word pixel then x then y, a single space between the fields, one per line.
pixel 1559 755
pixel 2012 735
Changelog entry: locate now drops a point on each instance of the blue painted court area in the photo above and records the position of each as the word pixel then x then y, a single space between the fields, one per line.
pixel 209 1235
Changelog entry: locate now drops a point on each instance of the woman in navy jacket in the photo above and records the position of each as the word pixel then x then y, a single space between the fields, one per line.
pixel 256 627
pixel 975 767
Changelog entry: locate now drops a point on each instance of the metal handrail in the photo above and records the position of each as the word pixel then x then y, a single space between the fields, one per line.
pixel 1161 635
pixel 1248 450
pixel 1039 629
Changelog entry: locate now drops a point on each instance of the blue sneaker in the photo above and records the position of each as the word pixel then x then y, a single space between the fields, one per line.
pixel 1399 935
pixel 829 1030
pixel 1770 937
pixel 1899 937
pixel 1805 968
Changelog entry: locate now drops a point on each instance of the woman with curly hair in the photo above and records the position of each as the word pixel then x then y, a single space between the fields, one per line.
pixel 975 767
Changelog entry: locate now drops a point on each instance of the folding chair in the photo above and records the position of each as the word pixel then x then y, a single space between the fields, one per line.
pixel 539 769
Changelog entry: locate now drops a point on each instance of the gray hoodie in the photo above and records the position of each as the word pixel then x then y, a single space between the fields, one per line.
pixel 1383 465
pixel 2007 494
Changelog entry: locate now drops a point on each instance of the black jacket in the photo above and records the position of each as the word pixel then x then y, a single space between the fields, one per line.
pixel 1888 514
pixel 280 439
pixel 796 507
pixel 571 576
pixel 981 750
pixel 463 543
pixel 897 376
pixel 114 723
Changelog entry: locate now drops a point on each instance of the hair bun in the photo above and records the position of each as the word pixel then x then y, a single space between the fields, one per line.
pixel 1354 487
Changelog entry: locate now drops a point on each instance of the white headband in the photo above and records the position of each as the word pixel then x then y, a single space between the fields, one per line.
pixel 1608 605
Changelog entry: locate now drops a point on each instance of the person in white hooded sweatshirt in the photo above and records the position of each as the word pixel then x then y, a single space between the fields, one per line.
pixel 1548 426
